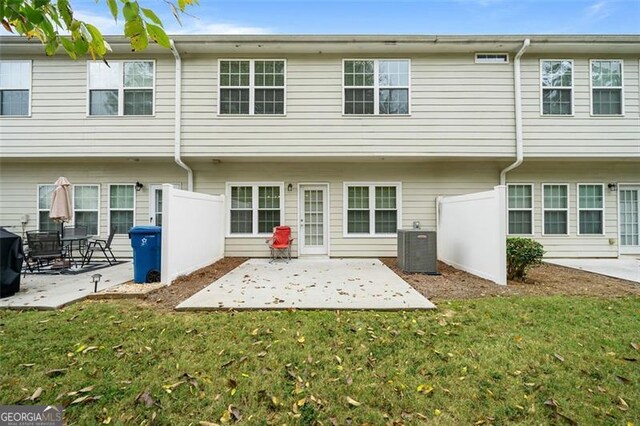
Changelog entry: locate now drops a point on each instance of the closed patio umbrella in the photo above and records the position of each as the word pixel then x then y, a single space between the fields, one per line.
pixel 61 207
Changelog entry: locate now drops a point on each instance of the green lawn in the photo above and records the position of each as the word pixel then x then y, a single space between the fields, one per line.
pixel 492 360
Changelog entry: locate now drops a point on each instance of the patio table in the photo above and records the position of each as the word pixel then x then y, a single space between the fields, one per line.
pixel 71 240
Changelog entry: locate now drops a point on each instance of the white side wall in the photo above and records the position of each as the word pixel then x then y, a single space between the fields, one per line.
pixel 472 233
pixel 192 231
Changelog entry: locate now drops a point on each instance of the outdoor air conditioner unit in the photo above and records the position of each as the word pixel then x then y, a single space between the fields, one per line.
pixel 417 251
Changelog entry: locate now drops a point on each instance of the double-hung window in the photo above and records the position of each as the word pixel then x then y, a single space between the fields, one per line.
pixel 15 85
pixel 86 206
pixel 255 208
pixel 590 209
pixel 45 223
pixel 372 209
pixel 121 88
pixel 520 208
pixel 607 96
pixel 121 207
pixel 555 209
pixel 376 86
pixel 252 87
pixel 556 80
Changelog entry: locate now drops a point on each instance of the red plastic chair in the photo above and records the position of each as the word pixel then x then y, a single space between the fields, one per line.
pixel 280 243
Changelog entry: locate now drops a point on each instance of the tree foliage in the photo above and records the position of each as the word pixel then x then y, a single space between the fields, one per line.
pixel 53 23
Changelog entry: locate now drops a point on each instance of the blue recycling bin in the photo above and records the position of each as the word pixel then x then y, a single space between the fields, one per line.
pixel 146 242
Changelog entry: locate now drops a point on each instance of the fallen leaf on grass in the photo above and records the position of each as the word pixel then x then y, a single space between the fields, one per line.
pixel 56 372
pixel 146 399
pixel 203 423
pixel 353 402
pixel 85 399
pixel 622 404
pixel 623 380
pixel 26 365
pixel 551 403
pixel 424 389
pixel 36 394
pixel 301 339
pixel 89 349
pixel 558 357
pixel 635 346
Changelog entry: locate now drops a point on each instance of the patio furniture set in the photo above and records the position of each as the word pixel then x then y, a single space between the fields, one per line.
pixel 60 251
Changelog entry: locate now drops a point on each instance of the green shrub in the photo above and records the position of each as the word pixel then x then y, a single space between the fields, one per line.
pixel 522 254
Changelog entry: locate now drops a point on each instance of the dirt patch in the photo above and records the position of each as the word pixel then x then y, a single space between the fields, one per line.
pixel 544 280
pixel 170 296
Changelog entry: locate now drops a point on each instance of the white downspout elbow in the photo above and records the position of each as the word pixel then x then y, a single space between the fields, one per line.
pixel 178 118
pixel 518 113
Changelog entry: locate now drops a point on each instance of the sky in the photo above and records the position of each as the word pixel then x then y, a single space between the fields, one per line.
pixel 386 17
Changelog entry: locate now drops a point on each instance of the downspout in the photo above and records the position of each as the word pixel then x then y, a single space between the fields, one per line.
pixel 178 118
pixel 518 113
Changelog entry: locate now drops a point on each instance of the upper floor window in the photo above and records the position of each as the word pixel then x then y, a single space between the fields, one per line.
pixel 606 87
pixel 251 86
pixel 15 85
pixel 492 58
pixel 556 79
pixel 121 88
pixel 376 86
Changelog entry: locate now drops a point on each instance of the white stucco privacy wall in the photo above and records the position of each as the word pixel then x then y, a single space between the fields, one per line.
pixel 472 233
pixel 192 231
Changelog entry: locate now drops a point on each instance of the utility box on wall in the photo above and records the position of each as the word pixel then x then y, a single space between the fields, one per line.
pixel 417 251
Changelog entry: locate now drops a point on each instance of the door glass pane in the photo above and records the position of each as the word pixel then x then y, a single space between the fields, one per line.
pixel 158 206
pixel 629 217
pixel 313 217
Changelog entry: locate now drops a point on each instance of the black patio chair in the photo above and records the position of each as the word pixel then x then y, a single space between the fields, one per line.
pixel 43 247
pixel 102 245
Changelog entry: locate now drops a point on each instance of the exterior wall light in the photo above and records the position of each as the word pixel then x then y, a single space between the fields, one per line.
pixel 139 186
pixel 612 187
pixel 290 187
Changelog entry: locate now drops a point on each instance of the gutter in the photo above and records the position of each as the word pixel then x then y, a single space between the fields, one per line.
pixel 518 113
pixel 178 118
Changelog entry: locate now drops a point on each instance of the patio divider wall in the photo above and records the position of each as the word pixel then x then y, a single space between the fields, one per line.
pixel 193 229
pixel 472 233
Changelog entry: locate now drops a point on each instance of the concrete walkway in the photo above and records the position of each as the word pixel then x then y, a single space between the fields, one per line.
pixel 55 291
pixel 623 268
pixel 309 284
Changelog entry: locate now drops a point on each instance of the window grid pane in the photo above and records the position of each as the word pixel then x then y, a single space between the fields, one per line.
pixel 555 197
pixel 394 101
pixel 15 74
pixel 138 102
pixel 358 222
pixel 555 222
pixel 121 220
pixel 234 101
pixel 269 197
pixel 241 197
pixel 267 220
pixel 14 102
pixel 269 73
pixel 269 101
pixel 520 196
pixel 138 74
pixel 520 222
pixel 121 196
pixel 591 222
pixel 557 84
pixel 359 101
pixel 103 102
pixel 358 197
pixel 386 221
pixel 44 196
pixel 234 73
pixel 590 197
pixel 359 73
pixel 607 101
pixel 556 101
pixel 89 219
pixel 241 221
pixel 385 197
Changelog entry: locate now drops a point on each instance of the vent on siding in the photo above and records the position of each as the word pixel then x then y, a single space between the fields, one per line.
pixel 492 58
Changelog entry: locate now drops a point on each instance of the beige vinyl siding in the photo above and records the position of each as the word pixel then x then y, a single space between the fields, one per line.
pixel 59 125
pixel 421 184
pixel 19 181
pixel 458 108
pixel 572 173
pixel 580 135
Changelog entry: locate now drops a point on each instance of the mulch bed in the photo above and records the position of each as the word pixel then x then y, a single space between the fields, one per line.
pixel 452 284
pixel 184 287
pixel 544 280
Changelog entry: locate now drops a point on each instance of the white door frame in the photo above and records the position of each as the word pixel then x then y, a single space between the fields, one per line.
pixel 326 249
pixel 623 249
pixel 152 200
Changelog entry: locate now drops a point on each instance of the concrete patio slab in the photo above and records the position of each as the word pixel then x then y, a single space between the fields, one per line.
pixel 309 284
pixel 623 268
pixel 55 291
